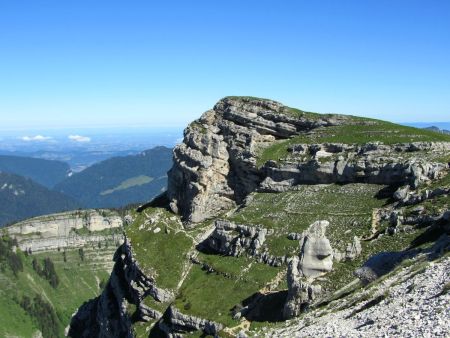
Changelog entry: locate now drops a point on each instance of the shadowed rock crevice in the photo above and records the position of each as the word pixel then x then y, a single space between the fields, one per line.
pixel 264 307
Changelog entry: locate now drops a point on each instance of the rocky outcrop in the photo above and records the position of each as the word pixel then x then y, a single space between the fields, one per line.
pixel 341 163
pixel 68 229
pixel 233 239
pixel 108 315
pixel 215 166
pixel 272 260
pixel 300 292
pixel 315 259
pixel 177 322
pixel 373 148
pixel 406 196
pixel 316 254
pixel 352 251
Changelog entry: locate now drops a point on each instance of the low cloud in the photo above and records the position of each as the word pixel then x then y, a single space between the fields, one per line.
pixel 79 138
pixel 37 138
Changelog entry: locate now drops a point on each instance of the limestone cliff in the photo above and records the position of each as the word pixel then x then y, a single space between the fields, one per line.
pixel 67 229
pixel 274 212
pixel 215 166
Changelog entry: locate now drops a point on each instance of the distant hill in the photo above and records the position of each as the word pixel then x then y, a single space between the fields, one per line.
pixel 45 172
pixel 438 130
pixel 22 198
pixel 120 180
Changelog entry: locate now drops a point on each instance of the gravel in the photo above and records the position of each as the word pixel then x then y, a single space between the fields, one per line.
pixel 412 305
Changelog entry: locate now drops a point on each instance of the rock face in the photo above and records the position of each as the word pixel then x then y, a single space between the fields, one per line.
pixel 405 196
pixel 315 259
pixel 316 254
pixel 215 166
pixel 60 230
pixel 341 163
pixel 107 315
pixel 300 292
pixel 234 239
pixel 352 251
pixel 178 322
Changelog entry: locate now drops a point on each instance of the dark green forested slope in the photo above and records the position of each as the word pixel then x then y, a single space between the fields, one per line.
pixel 39 292
pixel 22 198
pixel 45 172
pixel 120 180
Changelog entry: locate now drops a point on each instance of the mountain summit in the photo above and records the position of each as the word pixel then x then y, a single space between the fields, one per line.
pixel 279 222
pixel 276 214
pixel 245 144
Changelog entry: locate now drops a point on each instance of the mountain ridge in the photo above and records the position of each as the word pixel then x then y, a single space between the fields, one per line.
pixel 274 210
pixel 119 181
pixel 45 172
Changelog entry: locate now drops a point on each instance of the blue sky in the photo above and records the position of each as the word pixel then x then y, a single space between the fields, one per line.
pixel 120 63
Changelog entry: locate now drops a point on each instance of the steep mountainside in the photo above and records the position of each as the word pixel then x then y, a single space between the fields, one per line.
pixel 45 172
pixel 231 149
pixel 50 265
pixel 22 198
pixel 119 181
pixel 277 221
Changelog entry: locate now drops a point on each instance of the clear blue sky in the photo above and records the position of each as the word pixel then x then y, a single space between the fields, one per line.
pixel 80 63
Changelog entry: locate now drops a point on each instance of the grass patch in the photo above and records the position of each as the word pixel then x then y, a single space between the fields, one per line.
pixel 348 208
pixel 129 183
pixel 213 296
pixel 160 254
pixel 441 183
pixel 353 133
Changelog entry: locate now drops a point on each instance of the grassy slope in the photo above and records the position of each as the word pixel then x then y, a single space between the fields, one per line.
pixel 212 295
pixel 353 133
pixel 346 207
pixel 349 209
pixel 79 282
pixel 160 254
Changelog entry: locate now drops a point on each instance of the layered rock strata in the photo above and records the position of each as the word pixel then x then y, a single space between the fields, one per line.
pixel 339 163
pixel 176 323
pixel 68 229
pixel 215 166
pixel 233 239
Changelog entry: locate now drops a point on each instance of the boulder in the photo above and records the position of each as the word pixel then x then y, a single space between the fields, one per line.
pixel 233 239
pixel 316 253
pixel 353 249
